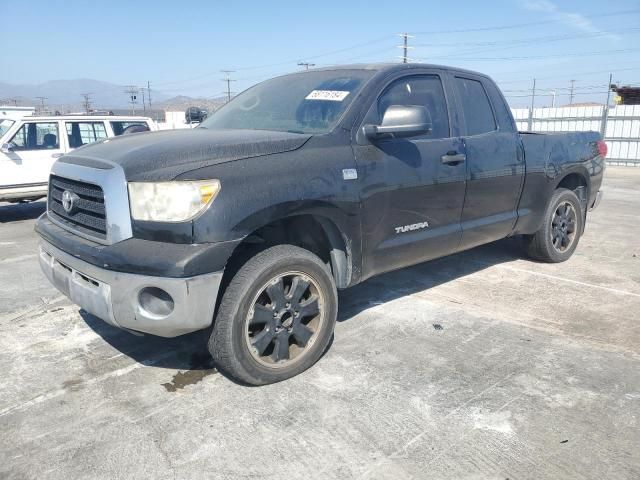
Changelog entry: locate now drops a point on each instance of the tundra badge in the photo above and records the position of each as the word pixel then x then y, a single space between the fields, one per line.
pixel 414 226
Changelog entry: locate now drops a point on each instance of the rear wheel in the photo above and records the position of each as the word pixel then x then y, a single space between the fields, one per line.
pixel 276 317
pixel 558 237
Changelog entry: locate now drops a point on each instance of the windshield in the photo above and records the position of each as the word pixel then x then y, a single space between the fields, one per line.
pixel 5 124
pixel 306 102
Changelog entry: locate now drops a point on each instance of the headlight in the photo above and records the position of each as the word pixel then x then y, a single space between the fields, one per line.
pixel 171 201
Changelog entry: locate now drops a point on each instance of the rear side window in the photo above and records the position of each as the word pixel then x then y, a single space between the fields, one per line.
pixel 120 127
pixel 503 113
pixel 82 133
pixel 424 90
pixel 476 108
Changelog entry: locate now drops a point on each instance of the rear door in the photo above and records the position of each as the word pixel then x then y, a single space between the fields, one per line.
pixel 495 163
pixel 34 148
pixel 411 198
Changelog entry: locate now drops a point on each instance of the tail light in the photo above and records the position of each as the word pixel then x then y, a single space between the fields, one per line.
pixel 602 148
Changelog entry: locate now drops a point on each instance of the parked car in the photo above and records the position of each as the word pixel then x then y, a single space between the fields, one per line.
pixel 30 145
pixel 195 115
pixel 299 186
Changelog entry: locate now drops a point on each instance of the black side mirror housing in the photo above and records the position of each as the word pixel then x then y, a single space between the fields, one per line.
pixel 401 121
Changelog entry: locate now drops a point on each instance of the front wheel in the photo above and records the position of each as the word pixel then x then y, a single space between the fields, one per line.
pixel 558 236
pixel 276 317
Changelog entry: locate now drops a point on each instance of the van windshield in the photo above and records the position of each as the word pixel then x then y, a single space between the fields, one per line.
pixel 306 102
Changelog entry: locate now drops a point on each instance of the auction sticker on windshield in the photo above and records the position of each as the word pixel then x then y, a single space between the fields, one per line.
pixel 333 95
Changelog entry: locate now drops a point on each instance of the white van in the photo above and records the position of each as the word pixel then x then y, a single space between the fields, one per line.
pixel 30 145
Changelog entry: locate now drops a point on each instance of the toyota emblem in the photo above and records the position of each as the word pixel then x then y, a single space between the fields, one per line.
pixel 69 201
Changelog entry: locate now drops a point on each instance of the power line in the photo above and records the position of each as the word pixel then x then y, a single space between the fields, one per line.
pixel 539 57
pixel 521 25
pixel 539 39
pixel 284 62
pixel 576 93
pixel 592 72
pixel 601 86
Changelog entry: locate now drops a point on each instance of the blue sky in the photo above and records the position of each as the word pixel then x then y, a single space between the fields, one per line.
pixel 181 46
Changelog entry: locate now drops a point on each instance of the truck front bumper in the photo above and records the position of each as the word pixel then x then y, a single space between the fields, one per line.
pixel 163 306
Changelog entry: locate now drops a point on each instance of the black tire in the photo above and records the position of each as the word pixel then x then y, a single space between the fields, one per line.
pixel 550 243
pixel 231 340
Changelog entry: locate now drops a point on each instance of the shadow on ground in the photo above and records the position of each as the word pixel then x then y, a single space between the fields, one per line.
pixel 16 212
pixel 189 352
pixel 407 281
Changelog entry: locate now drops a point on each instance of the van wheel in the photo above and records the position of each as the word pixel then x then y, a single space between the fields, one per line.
pixel 276 317
pixel 560 232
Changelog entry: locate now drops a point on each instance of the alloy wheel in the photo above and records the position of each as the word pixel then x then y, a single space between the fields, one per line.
pixel 563 226
pixel 284 320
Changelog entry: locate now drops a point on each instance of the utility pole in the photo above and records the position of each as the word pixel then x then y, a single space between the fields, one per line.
pixel 87 102
pixel 144 105
pixel 306 65
pixel 132 91
pixel 605 112
pixel 149 93
pixel 533 94
pixel 573 82
pixel 609 90
pixel 228 80
pixel 405 46
pixel 42 99
pixel 553 98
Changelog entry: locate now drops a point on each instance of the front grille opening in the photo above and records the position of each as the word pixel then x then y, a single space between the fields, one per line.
pixel 88 215
pixel 87 279
pixel 68 269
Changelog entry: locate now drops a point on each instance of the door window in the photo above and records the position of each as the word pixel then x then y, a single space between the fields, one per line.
pixel 424 90
pixel 36 136
pixel 476 108
pixel 82 133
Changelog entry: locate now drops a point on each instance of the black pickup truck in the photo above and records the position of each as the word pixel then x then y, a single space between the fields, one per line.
pixel 303 184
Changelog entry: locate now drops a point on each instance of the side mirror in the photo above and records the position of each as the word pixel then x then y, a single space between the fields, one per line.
pixel 6 148
pixel 401 121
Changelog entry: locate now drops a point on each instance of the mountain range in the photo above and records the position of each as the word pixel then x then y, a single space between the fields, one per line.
pixel 67 96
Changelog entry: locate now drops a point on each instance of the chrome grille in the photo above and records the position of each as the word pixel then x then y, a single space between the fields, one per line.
pixel 89 214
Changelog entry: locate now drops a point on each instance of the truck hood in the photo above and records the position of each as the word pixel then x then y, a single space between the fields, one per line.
pixel 163 155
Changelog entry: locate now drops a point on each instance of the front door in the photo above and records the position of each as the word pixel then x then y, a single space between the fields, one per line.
pixel 34 148
pixel 411 193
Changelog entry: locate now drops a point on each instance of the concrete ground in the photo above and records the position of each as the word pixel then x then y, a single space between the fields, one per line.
pixel 483 365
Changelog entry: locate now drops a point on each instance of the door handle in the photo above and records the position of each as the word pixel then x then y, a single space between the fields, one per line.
pixel 453 158
pixel 57 155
